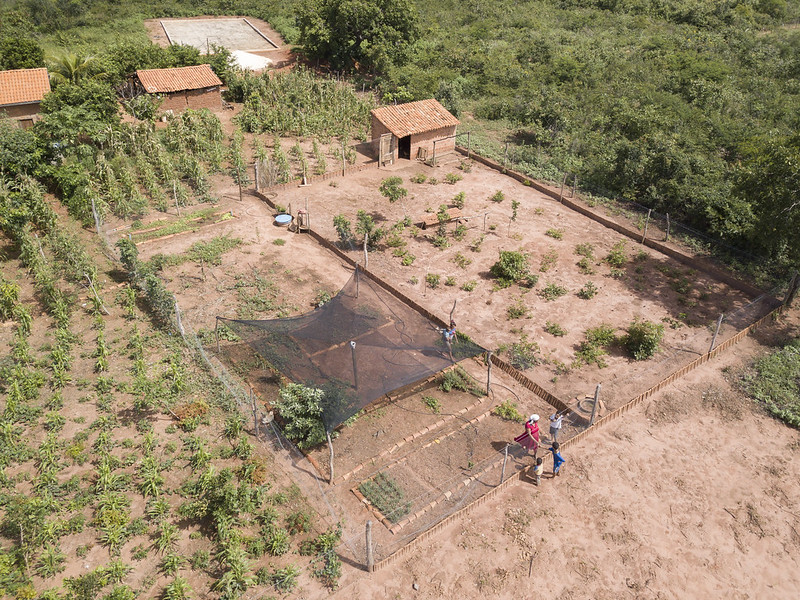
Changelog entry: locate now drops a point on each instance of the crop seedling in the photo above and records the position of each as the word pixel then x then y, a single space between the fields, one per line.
pixel 469 286
pixel 419 178
pixel 452 178
pixel 554 329
pixel 458 200
pixel 588 291
pixel 523 354
pixel 618 256
pixel 432 279
pixel 450 281
pixel 432 403
pixel 549 260
pixel 498 196
pixel 518 310
pixel 552 292
pixel 385 494
pixel 556 234
pixel 642 339
pixel 508 411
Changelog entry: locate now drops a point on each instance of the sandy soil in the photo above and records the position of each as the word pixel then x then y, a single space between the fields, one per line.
pixel 693 495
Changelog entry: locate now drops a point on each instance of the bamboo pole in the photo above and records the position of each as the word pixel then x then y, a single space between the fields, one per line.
pixel 94 291
pixel 561 193
pixel 666 237
pixel 488 373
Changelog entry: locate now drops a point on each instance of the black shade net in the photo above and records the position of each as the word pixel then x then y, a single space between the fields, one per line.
pixel 362 344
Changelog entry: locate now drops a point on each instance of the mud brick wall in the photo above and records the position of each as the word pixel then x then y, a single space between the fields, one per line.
pixel 195 99
pixel 21 111
pixel 425 140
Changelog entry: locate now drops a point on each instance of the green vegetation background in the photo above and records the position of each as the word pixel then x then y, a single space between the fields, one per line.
pixel 686 107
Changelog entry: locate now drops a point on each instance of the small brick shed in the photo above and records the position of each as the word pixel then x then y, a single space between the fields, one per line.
pixel 414 127
pixel 21 92
pixel 183 87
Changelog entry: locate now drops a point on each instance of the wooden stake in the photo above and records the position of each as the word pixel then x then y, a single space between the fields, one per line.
pixel 716 332
pixel 178 318
pixel 469 144
pixel 216 333
pixel 330 447
pixel 255 411
pixel 96 218
pixel 793 285
pixel 646 223
pixel 175 197
pixel 561 193
pixel 594 406
pixel 355 365
pixel 452 310
pixel 94 291
pixel 343 160
pixel 505 156
pixel 505 460
pixel 666 238
pixel 366 256
pixel 370 557
pixel 488 373
pixel 574 185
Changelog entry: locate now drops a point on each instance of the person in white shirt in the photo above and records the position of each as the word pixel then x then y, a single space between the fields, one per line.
pixel 555 425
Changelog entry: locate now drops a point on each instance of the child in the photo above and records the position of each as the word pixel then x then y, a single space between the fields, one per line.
pixel 555 425
pixel 537 471
pixel 558 460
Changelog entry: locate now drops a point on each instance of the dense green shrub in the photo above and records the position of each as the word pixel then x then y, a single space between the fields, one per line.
pixel 300 408
pixel 643 339
pixel 775 382
pixel 512 267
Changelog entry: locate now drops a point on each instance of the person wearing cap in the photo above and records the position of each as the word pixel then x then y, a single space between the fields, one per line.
pixel 530 438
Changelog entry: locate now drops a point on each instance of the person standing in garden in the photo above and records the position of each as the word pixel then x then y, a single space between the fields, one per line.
pixel 558 460
pixel 538 469
pixel 530 438
pixel 555 425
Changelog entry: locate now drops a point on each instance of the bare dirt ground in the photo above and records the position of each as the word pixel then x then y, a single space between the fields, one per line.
pixel 281 56
pixel 642 500
pixel 694 494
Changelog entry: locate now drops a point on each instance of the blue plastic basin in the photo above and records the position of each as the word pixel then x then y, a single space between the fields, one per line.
pixel 283 219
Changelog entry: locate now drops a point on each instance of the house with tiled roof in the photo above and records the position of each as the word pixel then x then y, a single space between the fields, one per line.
pixel 182 87
pixel 413 130
pixel 21 92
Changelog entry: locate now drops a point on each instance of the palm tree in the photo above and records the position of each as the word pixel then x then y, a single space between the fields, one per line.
pixel 72 67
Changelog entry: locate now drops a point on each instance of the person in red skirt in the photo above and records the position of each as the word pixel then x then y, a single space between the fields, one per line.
pixel 530 438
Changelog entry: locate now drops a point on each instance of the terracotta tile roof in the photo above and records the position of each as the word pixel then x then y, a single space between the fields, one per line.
pixel 178 79
pixel 23 86
pixel 414 117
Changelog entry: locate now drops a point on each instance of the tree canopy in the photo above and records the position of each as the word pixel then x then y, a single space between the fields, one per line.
pixel 367 35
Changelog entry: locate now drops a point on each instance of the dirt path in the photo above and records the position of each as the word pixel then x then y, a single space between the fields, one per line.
pixel 680 498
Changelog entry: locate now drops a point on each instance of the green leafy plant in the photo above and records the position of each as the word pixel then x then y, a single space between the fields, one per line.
pixel 392 188
pixel 419 178
pixel 552 292
pixel 588 291
pixel 469 286
pixel 512 267
pixel 458 200
pixel 432 403
pixel 452 178
pixel 508 411
pixel 556 234
pixel 300 408
pixel 774 381
pixel 618 256
pixel 549 259
pixel 554 329
pixel 642 339
pixel 524 354
pixel 432 279
pixel 593 349
pixel 498 196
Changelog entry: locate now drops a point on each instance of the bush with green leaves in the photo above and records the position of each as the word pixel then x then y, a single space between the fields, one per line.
pixel 343 230
pixel 512 267
pixel 593 349
pixel 617 257
pixel 588 291
pixel 552 291
pixel 300 409
pixel 508 411
pixel 392 188
pixel 642 339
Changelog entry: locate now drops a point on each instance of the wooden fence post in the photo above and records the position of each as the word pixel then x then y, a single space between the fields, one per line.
pixel 716 332
pixel 646 223
pixel 594 406
pixel 505 460
pixel 370 557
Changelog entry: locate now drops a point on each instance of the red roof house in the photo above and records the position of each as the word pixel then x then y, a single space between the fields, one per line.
pixel 21 92
pixel 183 87
pixel 410 130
